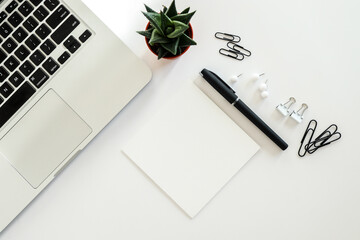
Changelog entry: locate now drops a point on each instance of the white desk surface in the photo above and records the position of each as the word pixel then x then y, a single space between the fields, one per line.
pixel 309 50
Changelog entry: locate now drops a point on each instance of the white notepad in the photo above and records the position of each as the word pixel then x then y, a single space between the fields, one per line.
pixel 191 149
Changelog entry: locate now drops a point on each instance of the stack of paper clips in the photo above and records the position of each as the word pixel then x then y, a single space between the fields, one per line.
pixel 234 50
pixel 308 145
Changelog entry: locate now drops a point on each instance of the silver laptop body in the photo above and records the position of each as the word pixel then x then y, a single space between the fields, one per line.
pixel 64 75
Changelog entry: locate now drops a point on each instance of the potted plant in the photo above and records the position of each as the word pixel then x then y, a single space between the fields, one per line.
pixel 168 34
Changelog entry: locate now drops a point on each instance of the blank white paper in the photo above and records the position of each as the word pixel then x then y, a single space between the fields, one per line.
pixel 191 149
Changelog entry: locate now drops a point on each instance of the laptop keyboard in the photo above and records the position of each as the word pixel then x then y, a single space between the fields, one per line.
pixel 35 42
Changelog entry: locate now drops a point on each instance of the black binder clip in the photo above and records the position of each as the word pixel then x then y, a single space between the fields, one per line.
pixel 231 53
pixel 227 37
pixel 239 49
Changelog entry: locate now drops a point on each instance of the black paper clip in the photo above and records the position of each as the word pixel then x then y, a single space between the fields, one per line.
pixel 227 37
pixel 324 139
pixel 238 48
pixel 231 53
pixel 327 137
pixel 310 129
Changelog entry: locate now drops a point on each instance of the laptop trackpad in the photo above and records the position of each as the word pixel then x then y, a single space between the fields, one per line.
pixel 43 138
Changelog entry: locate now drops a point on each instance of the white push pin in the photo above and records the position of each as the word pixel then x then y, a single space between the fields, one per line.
pixel 264 89
pixel 256 76
pixel 235 79
pixel 284 109
pixel 299 115
pixel 264 94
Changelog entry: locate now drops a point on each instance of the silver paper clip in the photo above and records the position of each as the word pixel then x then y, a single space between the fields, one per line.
pixel 284 109
pixel 227 37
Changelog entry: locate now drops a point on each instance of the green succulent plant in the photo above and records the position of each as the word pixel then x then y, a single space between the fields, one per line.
pixel 167 31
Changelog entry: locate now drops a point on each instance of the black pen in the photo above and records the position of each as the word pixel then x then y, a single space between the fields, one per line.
pixel 229 94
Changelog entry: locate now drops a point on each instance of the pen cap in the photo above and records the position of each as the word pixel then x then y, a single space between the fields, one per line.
pixel 216 82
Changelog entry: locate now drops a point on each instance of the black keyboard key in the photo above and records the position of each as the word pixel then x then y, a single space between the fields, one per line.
pixel 57 17
pixel 64 57
pixel 27 68
pixel 37 57
pixel 65 29
pixel 26 9
pixel 48 46
pixel 41 13
pixel 6 90
pixel 74 47
pixel 17 100
pixel 72 44
pixel 68 42
pixel 20 34
pixel 11 63
pixel 16 79
pixel 3 16
pixel 22 52
pixel 51 66
pixel 3 74
pixel 43 31
pixel 1 100
pixel 39 78
pixel 51 4
pixel 9 45
pixel 32 42
pixel 11 7
pixel 85 36
pixel 3 56
pixel 36 2
pixel 30 24
pixel 5 30
pixel 15 19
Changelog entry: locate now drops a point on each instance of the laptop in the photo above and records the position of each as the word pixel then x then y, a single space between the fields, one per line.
pixel 63 77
